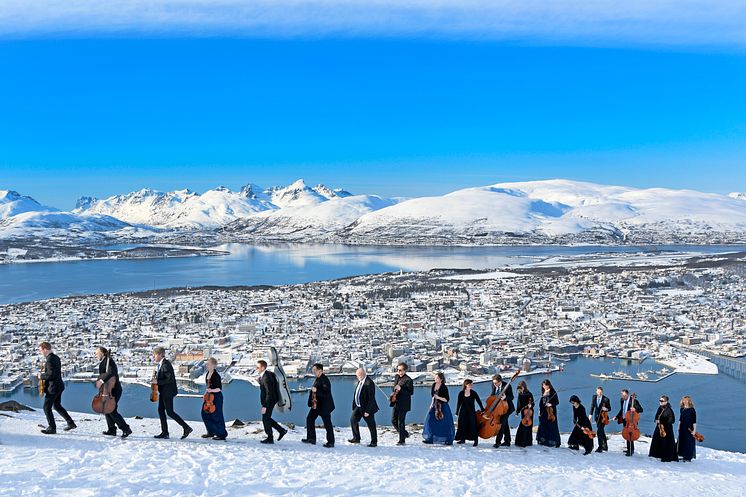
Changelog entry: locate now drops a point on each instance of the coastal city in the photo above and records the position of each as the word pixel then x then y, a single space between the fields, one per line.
pixel 466 323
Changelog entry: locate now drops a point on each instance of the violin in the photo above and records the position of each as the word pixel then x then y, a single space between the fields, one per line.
pixel 314 401
pixel 631 431
pixel 209 405
pixel 489 420
pixel 588 432
pixel 41 383
pixel 697 436
pixel 550 414
pixel 661 430
pixel 528 416
pixel 154 389
pixel 603 418
pixel 393 396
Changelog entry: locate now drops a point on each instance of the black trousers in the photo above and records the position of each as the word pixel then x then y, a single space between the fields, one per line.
pixel 313 414
pixel 54 401
pixel 504 433
pixel 601 434
pixel 115 419
pixel 166 406
pixel 357 415
pixel 270 423
pixel 399 420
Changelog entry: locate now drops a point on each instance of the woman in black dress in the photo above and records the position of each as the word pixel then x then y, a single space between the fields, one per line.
pixel 524 434
pixel 214 421
pixel 580 420
pixel 548 433
pixel 664 448
pixel 467 414
pixel 687 427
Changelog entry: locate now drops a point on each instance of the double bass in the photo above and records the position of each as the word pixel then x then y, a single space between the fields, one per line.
pixel 488 420
pixel 631 431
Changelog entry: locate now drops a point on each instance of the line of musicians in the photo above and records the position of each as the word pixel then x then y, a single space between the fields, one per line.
pixel 438 426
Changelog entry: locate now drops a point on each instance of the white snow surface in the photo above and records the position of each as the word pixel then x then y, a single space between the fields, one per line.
pixel 85 463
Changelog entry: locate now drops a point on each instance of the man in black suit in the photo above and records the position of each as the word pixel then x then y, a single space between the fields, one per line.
pixel 53 387
pixel 269 395
pixel 625 406
pixel 364 406
pixel 599 404
pixel 502 389
pixel 107 369
pixel 321 393
pixel 403 388
pixel 167 391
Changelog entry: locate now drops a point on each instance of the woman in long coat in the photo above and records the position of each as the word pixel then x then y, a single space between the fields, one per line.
pixel 664 448
pixel 467 414
pixel 687 448
pixel 524 434
pixel 580 420
pixel 548 433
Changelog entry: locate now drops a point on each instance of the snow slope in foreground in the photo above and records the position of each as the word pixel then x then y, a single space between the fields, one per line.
pixel 85 463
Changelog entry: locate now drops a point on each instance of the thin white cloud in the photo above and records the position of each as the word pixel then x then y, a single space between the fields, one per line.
pixel 584 22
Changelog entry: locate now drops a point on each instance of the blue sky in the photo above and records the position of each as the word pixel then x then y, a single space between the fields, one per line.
pixel 93 110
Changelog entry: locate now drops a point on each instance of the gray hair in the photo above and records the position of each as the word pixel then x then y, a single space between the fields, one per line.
pixel 159 351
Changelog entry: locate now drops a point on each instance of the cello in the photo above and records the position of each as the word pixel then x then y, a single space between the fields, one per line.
pixel 631 431
pixel 488 420
pixel 104 402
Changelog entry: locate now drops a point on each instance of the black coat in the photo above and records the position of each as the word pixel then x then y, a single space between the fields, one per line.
pixel 324 399
pixel 580 417
pixel 660 447
pixel 596 410
pixel 107 369
pixel 167 379
pixel 404 397
pixel 524 399
pixel 442 392
pixel 269 389
pixel 52 375
pixel 367 397
pixel 213 381
pixel 508 394
pixel 620 415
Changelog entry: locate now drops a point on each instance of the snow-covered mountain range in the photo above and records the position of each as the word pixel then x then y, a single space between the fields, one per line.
pixel 550 211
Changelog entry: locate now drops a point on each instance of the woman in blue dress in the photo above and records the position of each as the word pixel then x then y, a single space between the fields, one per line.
pixel 439 420
pixel 214 421
pixel 687 427
pixel 548 433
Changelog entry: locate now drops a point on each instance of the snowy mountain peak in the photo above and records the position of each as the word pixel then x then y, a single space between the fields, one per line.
pixel 738 195
pixel 327 192
pixel 297 194
pixel 13 203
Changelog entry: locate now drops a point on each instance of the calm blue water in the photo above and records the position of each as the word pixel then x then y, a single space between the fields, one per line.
pixel 718 400
pixel 266 264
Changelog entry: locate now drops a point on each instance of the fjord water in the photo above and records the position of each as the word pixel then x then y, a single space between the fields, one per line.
pixel 275 264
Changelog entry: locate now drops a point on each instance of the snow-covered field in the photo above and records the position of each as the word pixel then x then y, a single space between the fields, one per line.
pixel 85 463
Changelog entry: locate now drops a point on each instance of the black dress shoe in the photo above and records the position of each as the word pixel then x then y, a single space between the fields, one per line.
pixel 353 441
pixel 218 437
pixel 162 435
pixel 460 442
pixel 187 431
pixel 505 444
pixel 476 442
pixel 400 442
pixel 496 445
pixel 111 433
pixel 429 442
pixel 207 435
pixel 49 431
pixel 308 441
pixel 599 449
pixel 406 434
pixel 328 445
pixel 70 426
pixel 267 441
pixel 373 444
pixel 587 452
pixel 127 432
pixel 282 434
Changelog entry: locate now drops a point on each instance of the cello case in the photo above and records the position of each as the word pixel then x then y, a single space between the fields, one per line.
pixel 285 402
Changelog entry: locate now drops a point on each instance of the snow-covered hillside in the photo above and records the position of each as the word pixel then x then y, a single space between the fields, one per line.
pixel 84 462
pixel 555 208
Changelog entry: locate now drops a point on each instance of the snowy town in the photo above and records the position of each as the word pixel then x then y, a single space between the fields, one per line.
pixel 466 323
